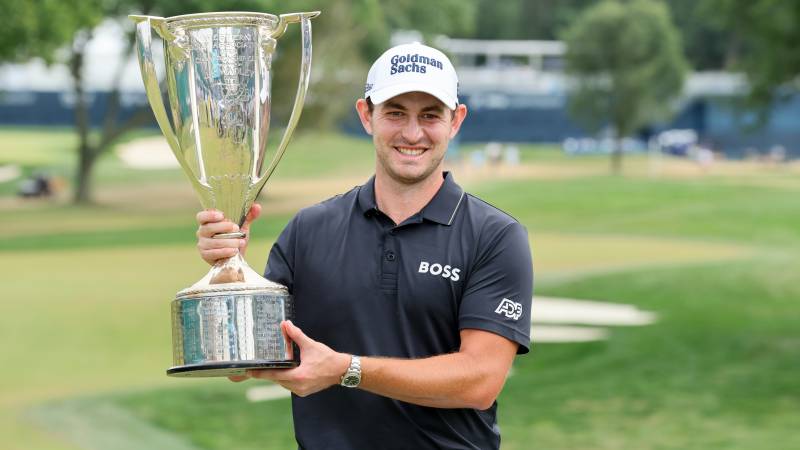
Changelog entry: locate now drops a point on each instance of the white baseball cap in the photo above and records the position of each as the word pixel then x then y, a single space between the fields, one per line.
pixel 412 68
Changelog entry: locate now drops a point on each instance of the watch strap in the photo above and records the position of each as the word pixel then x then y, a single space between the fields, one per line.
pixel 352 377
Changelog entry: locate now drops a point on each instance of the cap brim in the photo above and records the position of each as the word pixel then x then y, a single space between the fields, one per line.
pixel 381 95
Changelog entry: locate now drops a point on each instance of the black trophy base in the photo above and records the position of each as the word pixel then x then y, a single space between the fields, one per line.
pixel 226 369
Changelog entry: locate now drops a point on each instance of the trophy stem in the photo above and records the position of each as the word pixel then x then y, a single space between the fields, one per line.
pixel 229 270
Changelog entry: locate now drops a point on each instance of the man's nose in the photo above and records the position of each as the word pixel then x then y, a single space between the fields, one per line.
pixel 412 131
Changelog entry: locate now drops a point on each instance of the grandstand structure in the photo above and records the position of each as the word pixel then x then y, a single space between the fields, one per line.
pixel 517 91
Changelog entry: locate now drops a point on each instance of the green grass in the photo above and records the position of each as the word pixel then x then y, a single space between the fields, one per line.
pixel 42 146
pixel 702 208
pixel 226 419
pixel 717 371
pixel 86 293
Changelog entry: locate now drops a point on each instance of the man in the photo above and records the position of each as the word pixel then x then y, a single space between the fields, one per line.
pixel 412 298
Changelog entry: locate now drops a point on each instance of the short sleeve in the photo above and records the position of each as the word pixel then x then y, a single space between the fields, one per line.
pixel 499 289
pixel 280 264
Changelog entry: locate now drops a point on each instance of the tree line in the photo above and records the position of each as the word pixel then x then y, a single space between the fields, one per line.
pixel 646 46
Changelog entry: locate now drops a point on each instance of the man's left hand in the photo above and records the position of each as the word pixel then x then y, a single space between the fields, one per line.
pixel 320 367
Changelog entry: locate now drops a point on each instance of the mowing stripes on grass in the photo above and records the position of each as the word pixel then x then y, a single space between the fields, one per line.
pixel 98 424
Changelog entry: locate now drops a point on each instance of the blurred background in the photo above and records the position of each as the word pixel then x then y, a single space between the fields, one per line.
pixel 650 148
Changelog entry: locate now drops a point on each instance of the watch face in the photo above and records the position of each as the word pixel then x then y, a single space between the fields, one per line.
pixel 351 380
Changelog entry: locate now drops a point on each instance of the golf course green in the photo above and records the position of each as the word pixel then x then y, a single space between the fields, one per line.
pixel 84 318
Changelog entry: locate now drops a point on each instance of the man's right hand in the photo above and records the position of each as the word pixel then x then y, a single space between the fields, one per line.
pixel 212 222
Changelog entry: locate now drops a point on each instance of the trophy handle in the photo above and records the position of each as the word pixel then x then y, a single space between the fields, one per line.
pixel 302 86
pixel 144 52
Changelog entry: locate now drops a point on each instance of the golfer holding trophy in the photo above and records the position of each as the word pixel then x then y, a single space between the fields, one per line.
pixel 413 297
pixel 218 74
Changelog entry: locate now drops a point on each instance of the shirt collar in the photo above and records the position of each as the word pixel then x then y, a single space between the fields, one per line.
pixel 441 209
pixel 366 197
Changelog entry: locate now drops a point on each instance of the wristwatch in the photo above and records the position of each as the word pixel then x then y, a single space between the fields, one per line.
pixel 352 377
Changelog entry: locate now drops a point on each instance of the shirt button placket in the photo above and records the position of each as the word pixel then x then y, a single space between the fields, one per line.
pixel 389 263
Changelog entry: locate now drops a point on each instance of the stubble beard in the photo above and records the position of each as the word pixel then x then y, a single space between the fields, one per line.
pixel 386 167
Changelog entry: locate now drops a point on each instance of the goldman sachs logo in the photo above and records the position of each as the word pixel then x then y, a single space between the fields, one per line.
pixel 413 63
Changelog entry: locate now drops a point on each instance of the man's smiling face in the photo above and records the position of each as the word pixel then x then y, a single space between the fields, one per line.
pixel 410 132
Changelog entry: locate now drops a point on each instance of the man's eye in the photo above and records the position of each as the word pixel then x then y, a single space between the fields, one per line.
pixel 395 113
pixel 430 116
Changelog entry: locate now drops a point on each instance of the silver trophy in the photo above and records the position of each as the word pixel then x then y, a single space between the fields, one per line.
pixel 218 73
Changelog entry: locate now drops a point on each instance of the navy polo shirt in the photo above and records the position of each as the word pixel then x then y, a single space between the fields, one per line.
pixel 367 286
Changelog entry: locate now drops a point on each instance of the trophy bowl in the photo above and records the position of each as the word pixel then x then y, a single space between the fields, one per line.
pixel 218 79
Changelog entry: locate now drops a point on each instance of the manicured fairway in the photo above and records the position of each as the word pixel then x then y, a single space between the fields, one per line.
pixel 85 325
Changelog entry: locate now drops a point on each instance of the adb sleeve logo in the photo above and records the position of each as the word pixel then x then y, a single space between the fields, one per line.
pixel 510 309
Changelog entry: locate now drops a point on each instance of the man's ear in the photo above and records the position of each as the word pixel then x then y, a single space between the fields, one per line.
pixel 365 115
pixel 458 118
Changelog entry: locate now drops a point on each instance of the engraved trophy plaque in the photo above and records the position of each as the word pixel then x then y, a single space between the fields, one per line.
pixel 218 76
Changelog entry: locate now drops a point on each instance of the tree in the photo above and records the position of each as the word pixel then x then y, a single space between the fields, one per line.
pixel 33 32
pixel 706 46
pixel 498 20
pixel 525 19
pixel 27 30
pixel 36 33
pixel 626 64
pixel 767 37
pixel 444 17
